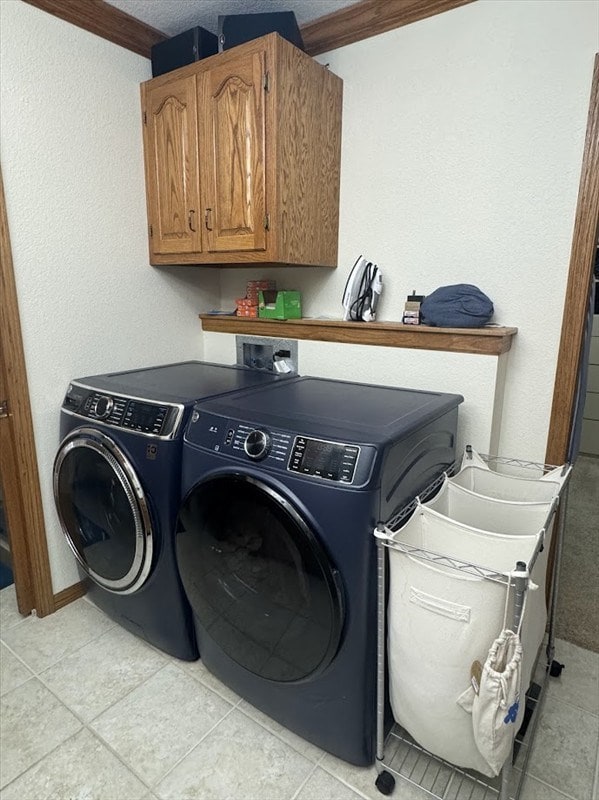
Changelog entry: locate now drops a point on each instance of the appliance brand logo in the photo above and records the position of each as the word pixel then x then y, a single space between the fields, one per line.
pixel 151 452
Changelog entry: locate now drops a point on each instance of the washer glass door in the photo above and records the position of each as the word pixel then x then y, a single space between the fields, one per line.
pixel 259 581
pixel 103 510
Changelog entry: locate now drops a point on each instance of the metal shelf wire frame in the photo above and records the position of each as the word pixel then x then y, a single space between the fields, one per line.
pixel 398 754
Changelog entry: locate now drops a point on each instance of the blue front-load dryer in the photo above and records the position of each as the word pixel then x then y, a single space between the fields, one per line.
pixel 117 485
pixel 281 490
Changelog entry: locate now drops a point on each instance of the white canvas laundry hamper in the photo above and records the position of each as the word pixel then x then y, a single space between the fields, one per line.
pixel 489 515
pixel 476 475
pixel 441 619
pixel 443 603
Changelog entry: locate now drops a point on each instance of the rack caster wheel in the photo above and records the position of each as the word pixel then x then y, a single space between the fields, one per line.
pixel 555 669
pixel 385 783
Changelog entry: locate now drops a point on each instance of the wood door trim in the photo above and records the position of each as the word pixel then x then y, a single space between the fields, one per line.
pixel 352 24
pixel 21 487
pixel 106 21
pixel 582 256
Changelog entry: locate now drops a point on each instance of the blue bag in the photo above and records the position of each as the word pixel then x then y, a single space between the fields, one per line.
pixel 460 306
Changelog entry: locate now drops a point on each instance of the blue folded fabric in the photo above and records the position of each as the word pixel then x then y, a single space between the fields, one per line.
pixel 460 306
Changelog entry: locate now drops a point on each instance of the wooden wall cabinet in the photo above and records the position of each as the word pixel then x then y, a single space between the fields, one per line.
pixel 242 159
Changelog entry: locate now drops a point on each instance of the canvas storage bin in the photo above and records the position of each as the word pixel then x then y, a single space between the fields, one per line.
pixel 441 619
pixel 493 515
pixel 476 476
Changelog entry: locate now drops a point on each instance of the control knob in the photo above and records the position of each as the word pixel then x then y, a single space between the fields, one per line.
pixel 257 444
pixel 102 407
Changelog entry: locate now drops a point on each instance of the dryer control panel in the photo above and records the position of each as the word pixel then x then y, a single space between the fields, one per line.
pixel 321 459
pixel 330 460
pixel 118 411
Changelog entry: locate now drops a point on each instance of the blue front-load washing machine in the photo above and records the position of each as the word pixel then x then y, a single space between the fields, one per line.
pixel 282 488
pixel 117 484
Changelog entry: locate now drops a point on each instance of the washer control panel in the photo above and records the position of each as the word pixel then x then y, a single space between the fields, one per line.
pixel 330 460
pixel 135 414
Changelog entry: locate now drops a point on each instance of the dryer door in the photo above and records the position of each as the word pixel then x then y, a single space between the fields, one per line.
pixel 259 581
pixel 103 510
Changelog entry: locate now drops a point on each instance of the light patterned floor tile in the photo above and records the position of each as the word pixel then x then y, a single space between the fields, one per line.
pixel 32 723
pixel 9 613
pixel 362 779
pixel 81 768
pixel 533 789
pixel 199 671
pixel 321 784
pixel 238 759
pixel 579 682
pixel 42 641
pixel 102 672
pixel 564 751
pixel 160 721
pixel 12 671
pixel 304 747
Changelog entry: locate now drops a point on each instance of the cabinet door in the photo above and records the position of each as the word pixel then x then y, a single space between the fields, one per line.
pixel 172 174
pixel 233 114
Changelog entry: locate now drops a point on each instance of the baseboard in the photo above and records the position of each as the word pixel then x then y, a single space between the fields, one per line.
pixel 69 595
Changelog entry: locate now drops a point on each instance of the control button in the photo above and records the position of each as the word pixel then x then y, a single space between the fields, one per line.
pixel 102 406
pixel 257 444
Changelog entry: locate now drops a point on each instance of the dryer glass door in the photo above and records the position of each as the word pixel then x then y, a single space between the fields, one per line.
pixel 103 511
pixel 260 583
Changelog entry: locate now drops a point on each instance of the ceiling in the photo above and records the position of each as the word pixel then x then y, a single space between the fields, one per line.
pixel 174 16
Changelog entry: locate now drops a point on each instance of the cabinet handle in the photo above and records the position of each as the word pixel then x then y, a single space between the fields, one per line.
pixel 206 218
pixel 191 220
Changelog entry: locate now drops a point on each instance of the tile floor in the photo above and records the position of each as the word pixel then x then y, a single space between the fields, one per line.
pixel 89 712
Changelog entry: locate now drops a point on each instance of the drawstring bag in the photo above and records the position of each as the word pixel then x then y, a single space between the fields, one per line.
pixel 493 697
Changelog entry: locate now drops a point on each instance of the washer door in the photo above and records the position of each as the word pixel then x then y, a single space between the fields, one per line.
pixel 258 580
pixel 103 511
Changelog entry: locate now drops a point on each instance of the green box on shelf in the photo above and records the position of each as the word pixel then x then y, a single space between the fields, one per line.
pixel 286 304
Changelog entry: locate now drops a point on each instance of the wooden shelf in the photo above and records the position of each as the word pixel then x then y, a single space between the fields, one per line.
pixel 481 341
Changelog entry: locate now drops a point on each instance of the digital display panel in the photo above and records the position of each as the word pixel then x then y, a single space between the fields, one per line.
pixel 144 417
pixel 321 459
pixel 322 456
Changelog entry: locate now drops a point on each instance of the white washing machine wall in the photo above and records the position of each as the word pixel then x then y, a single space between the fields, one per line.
pixel 282 487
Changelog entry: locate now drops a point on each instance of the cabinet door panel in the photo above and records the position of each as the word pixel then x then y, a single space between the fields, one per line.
pixel 234 140
pixel 172 167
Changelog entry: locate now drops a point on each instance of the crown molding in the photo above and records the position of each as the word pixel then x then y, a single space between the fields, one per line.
pixel 369 18
pixel 351 24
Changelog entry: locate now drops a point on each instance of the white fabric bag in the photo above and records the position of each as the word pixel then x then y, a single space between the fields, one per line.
pixel 440 620
pixel 493 697
pixel 476 475
pixel 490 547
pixel 502 516
pixel 489 513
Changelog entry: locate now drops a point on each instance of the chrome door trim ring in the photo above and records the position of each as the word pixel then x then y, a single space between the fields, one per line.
pixel 122 467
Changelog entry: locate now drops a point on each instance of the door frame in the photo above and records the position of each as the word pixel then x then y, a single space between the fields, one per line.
pixel 18 461
pixel 582 259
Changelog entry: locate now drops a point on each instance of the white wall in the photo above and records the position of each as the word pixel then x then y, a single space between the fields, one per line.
pixel 461 153
pixel 462 146
pixel 71 154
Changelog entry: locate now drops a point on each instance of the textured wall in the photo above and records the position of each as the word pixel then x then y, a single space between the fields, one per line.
pixel 462 145
pixel 72 162
pixel 461 152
